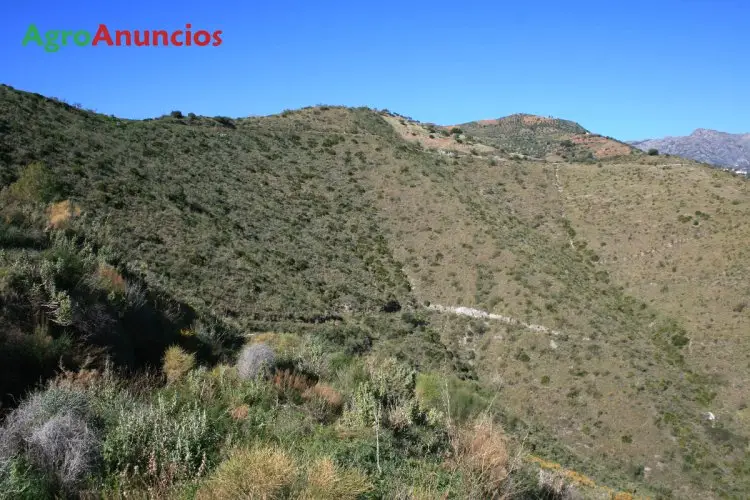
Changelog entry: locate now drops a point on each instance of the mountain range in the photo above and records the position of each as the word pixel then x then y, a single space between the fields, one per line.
pixel 709 146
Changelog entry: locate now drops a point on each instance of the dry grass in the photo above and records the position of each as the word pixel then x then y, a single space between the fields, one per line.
pixel 482 451
pixel 240 413
pixel 601 147
pixel 110 279
pixel 177 363
pixel 417 132
pixel 59 214
pixel 327 481
pixel 331 396
pixel 263 472
pixel 286 380
pixel 74 380
pixel 283 344
pixel 324 402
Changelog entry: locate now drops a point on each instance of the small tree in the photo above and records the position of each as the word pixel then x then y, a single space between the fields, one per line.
pixel 653 152
pixel 176 114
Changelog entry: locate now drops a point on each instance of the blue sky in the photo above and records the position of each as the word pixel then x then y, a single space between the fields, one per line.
pixel 631 70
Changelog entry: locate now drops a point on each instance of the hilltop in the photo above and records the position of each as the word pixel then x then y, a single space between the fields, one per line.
pixel 539 136
pixel 591 304
pixel 710 146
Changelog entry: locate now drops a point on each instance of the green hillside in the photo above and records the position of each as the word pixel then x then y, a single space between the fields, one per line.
pixel 345 244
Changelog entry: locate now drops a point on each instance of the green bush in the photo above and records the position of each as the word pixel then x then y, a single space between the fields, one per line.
pixel 20 481
pixel 159 437
pixel 36 184
pixel 438 392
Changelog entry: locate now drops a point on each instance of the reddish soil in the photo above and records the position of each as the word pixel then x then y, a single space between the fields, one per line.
pixel 601 147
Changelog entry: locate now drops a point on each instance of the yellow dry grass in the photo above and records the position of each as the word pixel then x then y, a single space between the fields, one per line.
pixel 482 451
pixel 263 472
pixel 327 481
pixel 283 344
pixel 59 214
pixel 177 363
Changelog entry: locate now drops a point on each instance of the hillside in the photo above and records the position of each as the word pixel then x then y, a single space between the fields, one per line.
pixel 617 286
pixel 708 146
pixel 540 137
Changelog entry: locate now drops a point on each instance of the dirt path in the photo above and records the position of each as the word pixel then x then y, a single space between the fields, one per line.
pixel 477 313
pixel 562 201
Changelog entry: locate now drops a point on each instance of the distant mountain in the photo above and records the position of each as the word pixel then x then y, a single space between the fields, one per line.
pixel 709 146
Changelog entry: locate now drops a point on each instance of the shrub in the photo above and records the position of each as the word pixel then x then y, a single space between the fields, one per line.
pixel 555 484
pixel 401 415
pixel 653 152
pixel 35 184
pixel 177 363
pixel 225 121
pixel 224 388
pixel 439 393
pixel 284 345
pixel 164 437
pixel 261 472
pixel 393 381
pixel 34 412
pixel 326 481
pixel 362 407
pixel 66 448
pixel 19 480
pixel 310 358
pixel 53 432
pixel 176 114
pixel 255 360
pixel 387 395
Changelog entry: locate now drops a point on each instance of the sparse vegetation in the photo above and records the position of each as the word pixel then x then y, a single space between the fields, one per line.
pixel 268 329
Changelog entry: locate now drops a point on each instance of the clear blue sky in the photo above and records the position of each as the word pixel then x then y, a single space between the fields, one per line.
pixel 631 70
